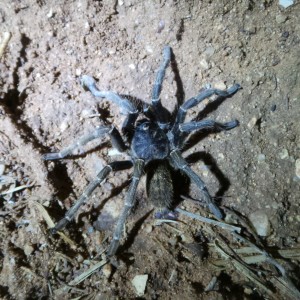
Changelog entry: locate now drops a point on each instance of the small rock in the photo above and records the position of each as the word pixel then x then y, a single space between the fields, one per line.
pixel 78 72
pixel 131 66
pixel 283 154
pixel 63 126
pixel 50 14
pixel 286 3
pixel 149 49
pixel 297 164
pixel 280 19
pixel 204 64
pixel 260 222
pixel 221 156
pixel 148 228
pixel 139 282
pixel 2 168
pixel 209 51
pixel 252 123
pixel 28 249
pixel 261 157
pixel 107 270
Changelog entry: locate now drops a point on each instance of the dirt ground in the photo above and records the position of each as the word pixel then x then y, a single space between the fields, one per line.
pixel 251 169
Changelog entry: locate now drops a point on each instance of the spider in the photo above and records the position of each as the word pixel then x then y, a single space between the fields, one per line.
pixel 154 140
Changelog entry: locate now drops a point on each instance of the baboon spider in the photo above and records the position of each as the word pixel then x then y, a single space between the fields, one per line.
pixel 155 139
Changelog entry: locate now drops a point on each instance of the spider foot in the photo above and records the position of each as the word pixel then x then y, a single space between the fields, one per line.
pixel 166 214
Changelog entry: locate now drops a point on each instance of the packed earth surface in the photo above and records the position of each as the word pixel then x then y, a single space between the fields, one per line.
pixel 252 171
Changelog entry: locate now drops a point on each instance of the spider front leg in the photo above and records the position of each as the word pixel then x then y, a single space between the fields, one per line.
pixel 126 106
pixel 129 203
pixel 114 166
pixel 182 164
pixel 114 134
pixel 176 134
pixel 159 111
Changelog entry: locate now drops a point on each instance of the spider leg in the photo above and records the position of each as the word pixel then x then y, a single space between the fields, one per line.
pixel 180 118
pixel 207 124
pixel 114 166
pixel 156 103
pixel 126 106
pixel 182 164
pixel 114 134
pixel 129 203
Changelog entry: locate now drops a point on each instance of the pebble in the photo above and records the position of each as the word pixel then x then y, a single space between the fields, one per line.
pixel 297 165
pixel 2 168
pixel 204 64
pixel 221 156
pixel 149 49
pixel 28 249
pixel 131 66
pixel 209 51
pixel 148 228
pixel 139 282
pixel 50 13
pixel 107 270
pixel 283 154
pixel 280 19
pixel 63 126
pixel 252 123
pixel 78 72
pixel 261 157
pixel 260 222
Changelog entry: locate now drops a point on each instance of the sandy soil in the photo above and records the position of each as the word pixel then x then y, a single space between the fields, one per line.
pixel 251 169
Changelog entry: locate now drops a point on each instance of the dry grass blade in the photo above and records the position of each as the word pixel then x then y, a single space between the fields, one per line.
pixel 18 188
pixel 268 256
pixel 51 224
pixel 286 287
pixel 88 273
pixel 242 269
pixel 290 253
pixel 209 221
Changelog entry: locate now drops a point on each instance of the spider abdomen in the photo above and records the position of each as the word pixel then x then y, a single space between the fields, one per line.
pixel 150 142
pixel 159 184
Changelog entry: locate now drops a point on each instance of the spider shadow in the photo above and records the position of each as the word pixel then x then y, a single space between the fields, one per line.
pixel 108 221
pixel 59 176
pixel 177 78
pixel 131 237
pixel 214 169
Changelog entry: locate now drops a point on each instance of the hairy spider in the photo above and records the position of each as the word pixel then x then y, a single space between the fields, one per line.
pixel 154 139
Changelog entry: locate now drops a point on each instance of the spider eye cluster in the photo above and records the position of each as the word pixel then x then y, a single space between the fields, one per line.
pixel 145 126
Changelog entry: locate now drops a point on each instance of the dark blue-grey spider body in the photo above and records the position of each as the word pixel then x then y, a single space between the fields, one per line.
pixel 149 142
pixel 154 144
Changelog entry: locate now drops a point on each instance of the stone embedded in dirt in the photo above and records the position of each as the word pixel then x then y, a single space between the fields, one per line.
pixel 252 122
pixel 107 270
pixel 297 164
pixel 283 154
pixel 260 222
pixel 139 282
pixel 204 64
pixel 261 157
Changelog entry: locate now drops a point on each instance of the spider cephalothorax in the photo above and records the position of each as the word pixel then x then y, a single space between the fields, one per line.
pixel 154 141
